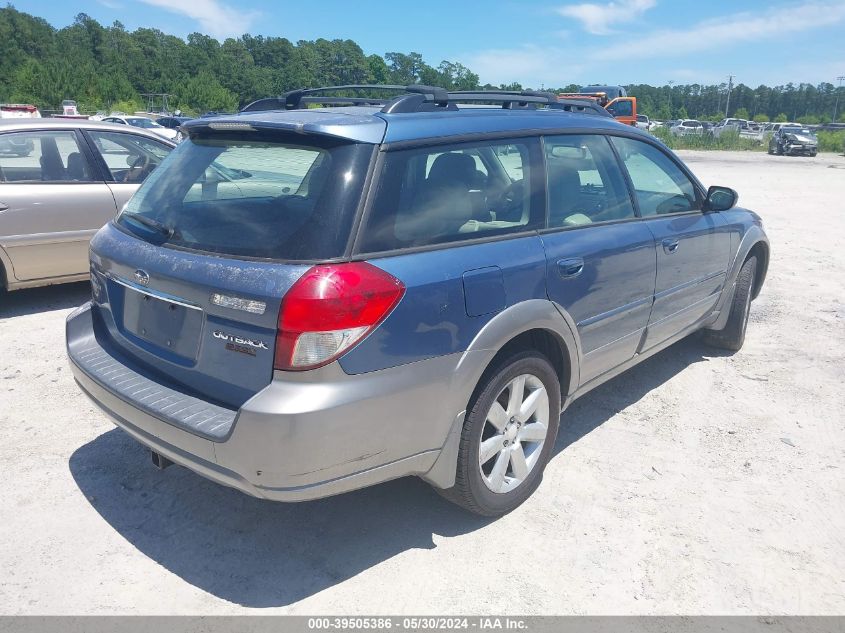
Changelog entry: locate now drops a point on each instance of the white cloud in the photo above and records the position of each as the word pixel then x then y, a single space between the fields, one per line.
pixel 567 63
pixel 599 18
pixel 110 4
pixel 215 19
pixel 726 31
pixel 530 65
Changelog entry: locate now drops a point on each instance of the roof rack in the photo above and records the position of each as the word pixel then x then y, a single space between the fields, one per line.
pixel 529 99
pixel 584 106
pixel 420 98
pixel 433 96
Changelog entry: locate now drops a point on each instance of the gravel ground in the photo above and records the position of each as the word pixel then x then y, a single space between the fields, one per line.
pixel 695 483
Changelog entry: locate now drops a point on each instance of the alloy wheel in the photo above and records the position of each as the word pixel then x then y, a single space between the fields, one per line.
pixel 514 432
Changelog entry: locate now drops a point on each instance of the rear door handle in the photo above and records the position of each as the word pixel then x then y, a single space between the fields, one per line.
pixel 571 267
pixel 670 245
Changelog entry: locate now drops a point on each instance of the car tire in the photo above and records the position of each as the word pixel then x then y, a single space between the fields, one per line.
pixel 732 336
pixel 516 440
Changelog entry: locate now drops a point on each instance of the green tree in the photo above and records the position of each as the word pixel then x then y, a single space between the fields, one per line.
pixel 781 118
pixel 405 69
pixel 741 113
pixel 204 92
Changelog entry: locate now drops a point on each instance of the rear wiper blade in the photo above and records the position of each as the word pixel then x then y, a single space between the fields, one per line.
pixel 153 224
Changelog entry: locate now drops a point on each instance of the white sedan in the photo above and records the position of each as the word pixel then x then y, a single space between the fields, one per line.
pixel 145 123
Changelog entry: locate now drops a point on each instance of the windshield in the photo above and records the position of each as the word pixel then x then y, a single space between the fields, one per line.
pixel 254 196
pixel 142 122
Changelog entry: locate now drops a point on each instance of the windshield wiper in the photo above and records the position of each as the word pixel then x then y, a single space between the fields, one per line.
pixel 162 228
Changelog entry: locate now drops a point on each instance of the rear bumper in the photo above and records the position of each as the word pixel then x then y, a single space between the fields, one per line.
pixel 306 435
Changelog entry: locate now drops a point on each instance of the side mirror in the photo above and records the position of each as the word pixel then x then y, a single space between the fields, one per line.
pixel 720 199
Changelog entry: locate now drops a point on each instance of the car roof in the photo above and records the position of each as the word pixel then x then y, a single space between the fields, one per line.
pixel 369 124
pixel 12 125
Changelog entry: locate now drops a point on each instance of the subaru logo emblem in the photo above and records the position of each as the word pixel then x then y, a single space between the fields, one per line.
pixel 142 277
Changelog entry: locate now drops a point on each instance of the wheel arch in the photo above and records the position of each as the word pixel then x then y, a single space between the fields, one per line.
pixel 760 250
pixel 536 324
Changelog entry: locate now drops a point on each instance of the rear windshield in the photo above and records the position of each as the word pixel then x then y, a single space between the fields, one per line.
pixel 252 196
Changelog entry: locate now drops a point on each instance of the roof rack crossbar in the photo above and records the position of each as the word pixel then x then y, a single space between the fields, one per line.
pixel 296 99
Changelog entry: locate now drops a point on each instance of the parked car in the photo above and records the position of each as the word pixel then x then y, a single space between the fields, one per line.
pixel 793 140
pixel 143 123
pixel 687 127
pixel 643 122
pixel 307 301
pixel 69 180
pixel 174 123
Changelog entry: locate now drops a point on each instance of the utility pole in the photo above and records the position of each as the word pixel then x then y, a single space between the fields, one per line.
pixel 728 101
pixel 836 103
pixel 671 83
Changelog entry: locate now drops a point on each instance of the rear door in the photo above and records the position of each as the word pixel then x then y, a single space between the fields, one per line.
pixel 693 247
pixel 126 159
pixel 52 201
pixel 600 256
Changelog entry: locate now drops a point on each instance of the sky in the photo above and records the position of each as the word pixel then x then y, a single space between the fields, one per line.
pixel 536 43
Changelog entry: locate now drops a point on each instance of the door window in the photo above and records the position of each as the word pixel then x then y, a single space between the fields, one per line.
pixel 584 182
pixel 660 185
pixel 452 193
pixel 41 156
pixel 129 158
pixel 621 108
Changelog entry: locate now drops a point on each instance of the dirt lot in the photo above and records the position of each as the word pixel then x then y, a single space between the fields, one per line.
pixel 696 483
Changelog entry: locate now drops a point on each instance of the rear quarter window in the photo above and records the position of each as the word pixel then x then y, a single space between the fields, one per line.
pixel 455 193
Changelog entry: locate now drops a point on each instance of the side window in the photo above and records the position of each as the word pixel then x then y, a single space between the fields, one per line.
pixel 43 157
pixel 128 157
pixel 660 185
pixel 459 192
pixel 621 108
pixel 584 181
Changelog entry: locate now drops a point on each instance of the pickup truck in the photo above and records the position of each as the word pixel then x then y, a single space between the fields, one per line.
pixel 614 99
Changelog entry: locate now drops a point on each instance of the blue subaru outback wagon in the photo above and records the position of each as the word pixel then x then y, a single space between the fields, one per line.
pixel 302 301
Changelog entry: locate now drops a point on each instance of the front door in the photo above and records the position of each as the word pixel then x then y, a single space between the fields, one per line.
pixel 51 203
pixel 600 256
pixel 693 247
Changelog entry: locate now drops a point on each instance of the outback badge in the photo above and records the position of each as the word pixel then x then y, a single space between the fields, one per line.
pixel 240 344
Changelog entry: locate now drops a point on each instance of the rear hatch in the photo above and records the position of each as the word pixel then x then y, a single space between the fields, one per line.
pixel 188 280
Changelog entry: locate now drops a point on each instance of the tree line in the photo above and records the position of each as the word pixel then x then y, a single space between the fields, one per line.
pixel 108 67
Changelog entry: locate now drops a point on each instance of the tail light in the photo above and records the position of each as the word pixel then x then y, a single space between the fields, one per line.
pixel 329 310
